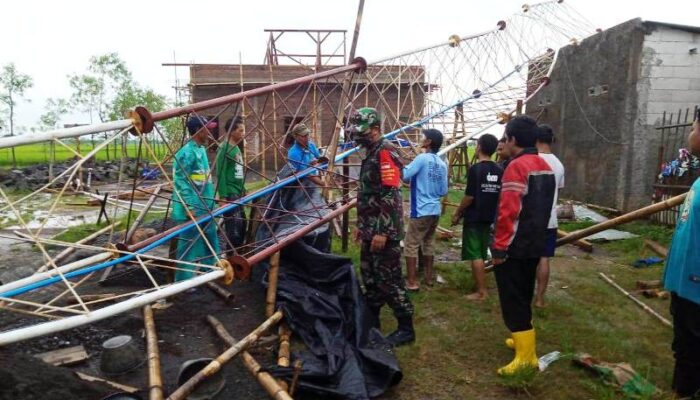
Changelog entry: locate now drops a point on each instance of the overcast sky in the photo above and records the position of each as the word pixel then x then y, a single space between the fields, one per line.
pixel 51 39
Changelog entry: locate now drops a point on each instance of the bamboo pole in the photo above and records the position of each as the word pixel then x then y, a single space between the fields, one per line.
pixel 295 378
pixel 264 378
pixel 272 277
pixel 583 244
pixel 68 251
pixel 637 214
pixel 214 366
pixel 637 301
pixel 656 248
pixel 283 356
pixel 221 292
pixel 155 381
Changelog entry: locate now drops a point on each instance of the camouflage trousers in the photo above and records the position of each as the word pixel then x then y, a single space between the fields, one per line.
pixel 381 274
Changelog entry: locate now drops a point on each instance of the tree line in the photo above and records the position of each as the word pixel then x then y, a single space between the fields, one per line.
pixel 105 91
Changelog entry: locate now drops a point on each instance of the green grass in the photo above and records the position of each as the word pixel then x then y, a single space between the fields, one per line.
pixel 460 345
pixel 40 153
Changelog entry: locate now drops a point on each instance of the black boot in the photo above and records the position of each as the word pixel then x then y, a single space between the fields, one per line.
pixel 404 334
pixel 373 313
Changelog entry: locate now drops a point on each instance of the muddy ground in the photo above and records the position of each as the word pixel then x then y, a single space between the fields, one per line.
pixel 182 332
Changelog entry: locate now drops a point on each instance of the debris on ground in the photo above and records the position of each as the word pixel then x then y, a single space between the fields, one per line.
pixel 548 358
pixel 621 375
pixel 647 262
pixel 586 214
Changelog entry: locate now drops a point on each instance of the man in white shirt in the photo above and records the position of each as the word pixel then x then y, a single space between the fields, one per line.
pixel 545 139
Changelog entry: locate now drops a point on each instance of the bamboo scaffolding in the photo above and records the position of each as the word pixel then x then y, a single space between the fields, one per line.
pixel 631 216
pixel 636 301
pixel 272 276
pixel 214 366
pixel 264 378
pixel 155 381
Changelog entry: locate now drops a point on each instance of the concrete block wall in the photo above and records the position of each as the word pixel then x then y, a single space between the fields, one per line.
pixel 607 139
pixel 669 82
pixel 670 70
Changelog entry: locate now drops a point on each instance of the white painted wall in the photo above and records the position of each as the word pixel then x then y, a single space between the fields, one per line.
pixel 669 74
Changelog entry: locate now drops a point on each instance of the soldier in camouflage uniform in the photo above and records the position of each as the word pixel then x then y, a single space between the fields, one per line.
pixel 380 224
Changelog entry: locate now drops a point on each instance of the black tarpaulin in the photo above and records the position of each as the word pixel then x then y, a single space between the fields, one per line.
pixel 323 305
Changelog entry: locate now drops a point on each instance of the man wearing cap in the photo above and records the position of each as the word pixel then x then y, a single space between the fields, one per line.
pixel 304 153
pixel 380 224
pixel 427 174
pixel 194 197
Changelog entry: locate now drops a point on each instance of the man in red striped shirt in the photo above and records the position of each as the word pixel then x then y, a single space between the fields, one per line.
pixel 524 208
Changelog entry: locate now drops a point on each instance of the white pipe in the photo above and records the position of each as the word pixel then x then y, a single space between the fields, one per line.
pixel 12 141
pixel 99 257
pixel 46 328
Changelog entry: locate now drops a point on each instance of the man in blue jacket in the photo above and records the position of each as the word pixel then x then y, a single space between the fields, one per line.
pixel 427 174
pixel 682 279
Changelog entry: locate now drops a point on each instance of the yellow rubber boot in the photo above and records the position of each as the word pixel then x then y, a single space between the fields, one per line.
pixel 525 355
pixel 510 343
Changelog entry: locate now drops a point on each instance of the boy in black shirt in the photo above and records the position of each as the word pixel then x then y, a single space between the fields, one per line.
pixel 478 210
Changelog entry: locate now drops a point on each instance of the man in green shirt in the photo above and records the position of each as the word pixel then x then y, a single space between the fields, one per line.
pixel 230 177
pixel 194 197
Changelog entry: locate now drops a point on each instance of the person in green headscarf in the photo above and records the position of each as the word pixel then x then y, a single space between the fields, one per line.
pixel 194 197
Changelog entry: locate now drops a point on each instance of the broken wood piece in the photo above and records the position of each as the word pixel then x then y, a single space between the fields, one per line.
pixel 264 378
pixel 655 294
pixel 656 248
pixel 216 364
pixel 272 275
pixel 649 284
pixel 67 356
pixel 155 380
pixel 123 388
pixel 582 244
pixel 221 292
pixel 636 300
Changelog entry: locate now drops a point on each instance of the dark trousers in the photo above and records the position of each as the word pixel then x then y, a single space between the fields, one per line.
pixel 381 274
pixel 686 346
pixel 515 279
pixel 235 224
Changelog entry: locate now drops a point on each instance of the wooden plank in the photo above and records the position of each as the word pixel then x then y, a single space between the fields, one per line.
pixel 124 388
pixel 656 248
pixel 67 356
